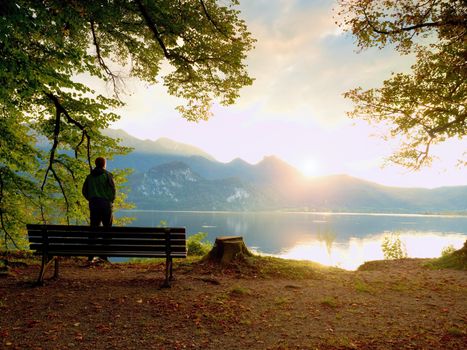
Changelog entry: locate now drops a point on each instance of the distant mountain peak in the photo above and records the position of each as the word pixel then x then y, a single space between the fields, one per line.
pixel 163 145
pixel 169 143
pixel 238 161
pixel 271 158
pixel 273 162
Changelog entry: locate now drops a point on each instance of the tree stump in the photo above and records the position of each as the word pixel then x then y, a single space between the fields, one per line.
pixel 226 249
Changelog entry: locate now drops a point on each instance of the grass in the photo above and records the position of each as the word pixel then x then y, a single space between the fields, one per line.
pixel 239 291
pixel 362 287
pixel 260 267
pixel 456 260
pixel 285 268
pixel 329 302
pixel 255 266
pixel 281 300
pixel 399 287
pixel 457 332
pixel 341 343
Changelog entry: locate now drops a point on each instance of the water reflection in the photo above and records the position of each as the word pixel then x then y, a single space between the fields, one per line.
pixel 349 255
pixel 336 239
pixel 328 237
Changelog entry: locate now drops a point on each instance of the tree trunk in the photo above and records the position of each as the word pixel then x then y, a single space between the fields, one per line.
pixel 226 249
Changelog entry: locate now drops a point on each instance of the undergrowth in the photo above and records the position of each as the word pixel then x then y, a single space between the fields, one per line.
pixel 450 259
pixel 265 267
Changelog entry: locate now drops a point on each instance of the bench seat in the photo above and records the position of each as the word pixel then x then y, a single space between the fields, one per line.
pixel 52 241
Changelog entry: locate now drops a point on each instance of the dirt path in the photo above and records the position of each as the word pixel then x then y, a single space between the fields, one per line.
pixel 389 305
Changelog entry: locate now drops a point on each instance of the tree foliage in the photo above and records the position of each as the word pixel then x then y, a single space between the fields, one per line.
pixel 50 122
pixel 393 247
pixel 427 105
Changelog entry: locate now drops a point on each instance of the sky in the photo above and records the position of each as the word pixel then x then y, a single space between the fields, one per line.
pixel 302 64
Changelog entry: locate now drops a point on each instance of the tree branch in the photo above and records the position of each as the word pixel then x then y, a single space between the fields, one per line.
pixel 451 22
pixel 101 61
pixel 209 17
pixel 67 168
pixel 439 129
pixel 2 220
pixel 61 110
pixel 423 155
pixel 153 27
pixel 55 143
pixel 63 193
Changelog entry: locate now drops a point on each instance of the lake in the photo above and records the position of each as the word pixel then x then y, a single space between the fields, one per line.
pixel 337 239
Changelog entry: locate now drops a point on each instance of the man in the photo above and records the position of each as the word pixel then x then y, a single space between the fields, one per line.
pixel 99 190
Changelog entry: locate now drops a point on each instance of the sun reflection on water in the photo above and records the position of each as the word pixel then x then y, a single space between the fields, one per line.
pixel 351 254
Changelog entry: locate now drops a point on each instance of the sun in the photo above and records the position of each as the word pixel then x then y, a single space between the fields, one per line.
pixel 310 167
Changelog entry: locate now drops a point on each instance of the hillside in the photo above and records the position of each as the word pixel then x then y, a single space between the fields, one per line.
pixel 169 175
pixel 174 185
pixel 162 146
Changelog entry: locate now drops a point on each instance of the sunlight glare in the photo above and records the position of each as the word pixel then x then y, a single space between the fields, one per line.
pixel 310 167
pixel 350 255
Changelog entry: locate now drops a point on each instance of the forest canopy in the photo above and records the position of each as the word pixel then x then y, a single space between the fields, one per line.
pixel 51 123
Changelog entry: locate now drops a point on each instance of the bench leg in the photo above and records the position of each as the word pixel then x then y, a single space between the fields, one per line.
pixel 40 279
pixel 168 273
pixel 57 267
pixel 46 260
pixel 171 266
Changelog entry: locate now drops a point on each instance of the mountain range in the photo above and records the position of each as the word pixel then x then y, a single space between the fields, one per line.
pixel 169 175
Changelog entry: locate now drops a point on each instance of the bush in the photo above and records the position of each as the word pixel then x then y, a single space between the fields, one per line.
pixel 448 250
pixel 392 247
pixel 455 259
pixel 196 246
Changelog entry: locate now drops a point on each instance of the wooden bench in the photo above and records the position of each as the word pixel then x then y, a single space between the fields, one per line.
pixel 53 241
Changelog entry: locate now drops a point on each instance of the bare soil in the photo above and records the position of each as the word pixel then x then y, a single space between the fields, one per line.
pixel 385 305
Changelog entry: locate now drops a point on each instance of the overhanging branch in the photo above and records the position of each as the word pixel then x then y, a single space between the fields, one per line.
pixel 209 17
pixel 153 27
pixel 85 135
pixel 414 27
pixel 101 61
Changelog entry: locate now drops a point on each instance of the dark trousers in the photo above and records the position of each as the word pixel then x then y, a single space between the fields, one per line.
pixel 101 213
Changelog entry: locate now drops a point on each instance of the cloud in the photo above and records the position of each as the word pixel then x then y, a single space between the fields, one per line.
pixel 295 109
pixel 303 62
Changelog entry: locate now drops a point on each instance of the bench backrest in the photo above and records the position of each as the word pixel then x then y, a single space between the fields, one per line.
pixel 67 240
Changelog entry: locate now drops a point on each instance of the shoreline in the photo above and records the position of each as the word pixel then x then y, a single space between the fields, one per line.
pixel 323 213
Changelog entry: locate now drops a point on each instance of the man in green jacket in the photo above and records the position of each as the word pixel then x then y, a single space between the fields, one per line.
pixel 99 190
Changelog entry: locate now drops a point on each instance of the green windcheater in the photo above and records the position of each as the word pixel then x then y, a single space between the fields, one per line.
pixel 99 184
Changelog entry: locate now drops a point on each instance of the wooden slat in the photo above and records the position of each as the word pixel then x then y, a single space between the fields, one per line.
pixel 106 234
pixel 98 247
pixel 121 254
pixel 78 246
pixel 116 229
pixel 176 236
pixel 86 240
